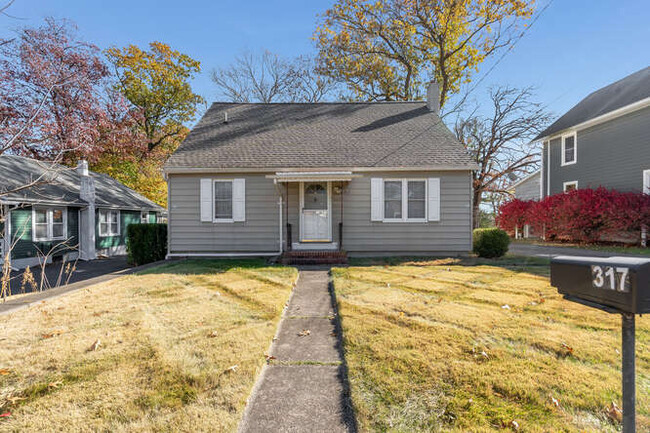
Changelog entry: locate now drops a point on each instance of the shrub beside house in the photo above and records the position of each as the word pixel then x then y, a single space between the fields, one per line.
pixel 582 215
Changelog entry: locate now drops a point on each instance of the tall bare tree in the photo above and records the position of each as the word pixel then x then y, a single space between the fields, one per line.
pixel 500 142
pixel 270 78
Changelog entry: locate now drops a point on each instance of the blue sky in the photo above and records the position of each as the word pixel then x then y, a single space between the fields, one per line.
pixel 575 47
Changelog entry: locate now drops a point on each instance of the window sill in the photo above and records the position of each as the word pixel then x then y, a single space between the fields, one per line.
pixel 563 164
pixel 48 239
pixel 404 221
pixel 223 220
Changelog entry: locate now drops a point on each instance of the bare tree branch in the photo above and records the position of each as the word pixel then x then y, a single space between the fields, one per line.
pixel 500 143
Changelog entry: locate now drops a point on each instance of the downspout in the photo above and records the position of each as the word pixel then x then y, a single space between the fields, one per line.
pixel 279 191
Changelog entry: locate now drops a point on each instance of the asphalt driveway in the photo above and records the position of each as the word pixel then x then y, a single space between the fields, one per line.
pixel 547 251
pixel 83 271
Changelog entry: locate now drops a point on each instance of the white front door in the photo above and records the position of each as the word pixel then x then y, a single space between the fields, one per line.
pixel 315 212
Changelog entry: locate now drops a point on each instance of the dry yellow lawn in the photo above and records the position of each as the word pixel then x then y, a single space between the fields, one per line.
pixel 168 339
pixel 430 347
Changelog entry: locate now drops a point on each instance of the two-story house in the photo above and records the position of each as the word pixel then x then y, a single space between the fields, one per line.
pixel 603 141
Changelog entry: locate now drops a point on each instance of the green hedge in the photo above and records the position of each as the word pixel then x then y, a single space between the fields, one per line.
pixel 146 243
pixel 491 242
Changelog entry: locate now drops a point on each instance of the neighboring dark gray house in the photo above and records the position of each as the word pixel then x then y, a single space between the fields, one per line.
pixel 366 178
pixel 527 188
pixel 69 213
pixel 602 141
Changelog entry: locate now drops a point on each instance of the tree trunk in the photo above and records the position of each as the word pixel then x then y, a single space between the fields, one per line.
pixel 476 207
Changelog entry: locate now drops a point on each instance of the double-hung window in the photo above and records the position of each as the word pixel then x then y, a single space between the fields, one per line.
pixel 569 149
pixel 49 224
pixel 405 199
pixel 109 222
pixel 223 200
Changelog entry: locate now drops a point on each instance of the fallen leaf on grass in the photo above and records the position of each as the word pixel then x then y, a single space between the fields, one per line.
pixel 304 333
pixel 55 385
pixel 568 348
pixel 269 358
pixel 14 400
pixel 51 334
pixel 4 371
pixel 614 413
pixel 5 415
pixel 213 334
pixel 94 346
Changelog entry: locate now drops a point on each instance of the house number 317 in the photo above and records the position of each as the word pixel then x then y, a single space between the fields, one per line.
pixel 609 277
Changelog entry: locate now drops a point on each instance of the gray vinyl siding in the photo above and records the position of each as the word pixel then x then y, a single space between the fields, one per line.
pixel 451 235
pixel 528 189
pixel 258 234
pixel 612 154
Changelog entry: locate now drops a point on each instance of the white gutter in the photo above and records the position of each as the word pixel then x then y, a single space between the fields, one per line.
pixel 635 106
pixel 198 170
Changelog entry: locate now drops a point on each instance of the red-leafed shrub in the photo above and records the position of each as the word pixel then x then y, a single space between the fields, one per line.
pixel 513 214
pixel 584 215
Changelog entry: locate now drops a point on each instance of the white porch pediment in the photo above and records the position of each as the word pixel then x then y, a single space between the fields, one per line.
pixel 313 176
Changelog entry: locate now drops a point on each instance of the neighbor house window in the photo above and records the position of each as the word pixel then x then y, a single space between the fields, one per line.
pixel 109 222
pixel 223 200
pixel 570 186
pixel 49 224
pixel 569 149
pixel 144 217
pixel 405 200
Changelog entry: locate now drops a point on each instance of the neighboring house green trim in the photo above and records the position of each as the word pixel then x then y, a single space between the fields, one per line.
pixel 21 226
pixel 127 217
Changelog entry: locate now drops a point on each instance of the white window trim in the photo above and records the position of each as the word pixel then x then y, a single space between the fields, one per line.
pixel 405 218
pixel 144 214
pixel 575 149
pixel 565 184
pixel 109 234
pixel 49 220
pixel 645 186
pixel 232 199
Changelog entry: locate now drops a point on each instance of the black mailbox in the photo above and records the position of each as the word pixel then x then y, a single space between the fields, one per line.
pixel 615 284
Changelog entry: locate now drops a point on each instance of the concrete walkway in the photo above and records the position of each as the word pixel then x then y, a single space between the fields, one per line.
pixel 549 251
pixel 305 388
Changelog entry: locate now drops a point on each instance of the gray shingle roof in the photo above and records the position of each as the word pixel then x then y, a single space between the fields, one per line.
pixel 624 92
pixel 274 136
pixel 62 185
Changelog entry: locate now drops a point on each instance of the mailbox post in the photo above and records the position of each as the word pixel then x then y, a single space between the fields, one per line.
pixel 615 285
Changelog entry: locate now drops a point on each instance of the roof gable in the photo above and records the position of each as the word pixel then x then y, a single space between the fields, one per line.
pixel 631 89
pixel 286 135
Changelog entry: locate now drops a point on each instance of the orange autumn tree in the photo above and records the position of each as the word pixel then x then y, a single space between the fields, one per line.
pixel 387 49
pixel 156 83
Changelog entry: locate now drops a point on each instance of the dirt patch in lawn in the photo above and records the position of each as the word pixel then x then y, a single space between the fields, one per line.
pixel 177 348
pixel 459 346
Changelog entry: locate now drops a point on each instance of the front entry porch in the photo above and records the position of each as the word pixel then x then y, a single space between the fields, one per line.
pixel 313 216
pixel 312 209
